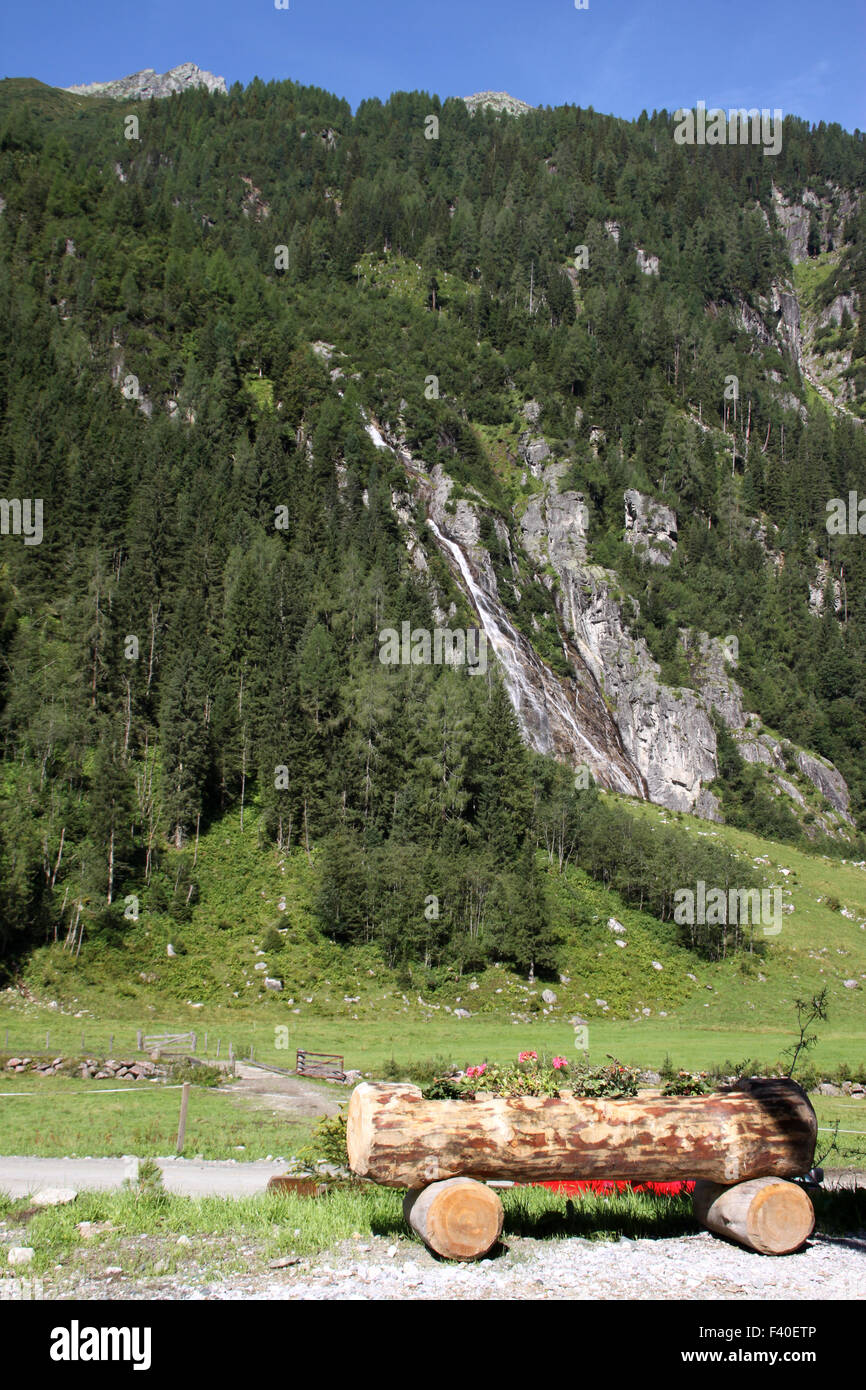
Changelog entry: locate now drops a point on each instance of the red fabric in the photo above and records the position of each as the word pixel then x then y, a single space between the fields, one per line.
pixel 664 1189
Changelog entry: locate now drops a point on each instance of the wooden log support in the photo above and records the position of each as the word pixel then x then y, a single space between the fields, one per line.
pixel 766 1214
pixel 760 1128
pixel 459 1218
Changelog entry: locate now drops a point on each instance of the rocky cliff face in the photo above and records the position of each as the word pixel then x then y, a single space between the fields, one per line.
pixel 829 211
pixel 141 86
pixel 650 526
pixel 614 714
pixel 797 312
pixel 666 734
pixel 564 716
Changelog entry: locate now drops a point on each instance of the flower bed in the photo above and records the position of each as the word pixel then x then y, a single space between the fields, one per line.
pixel 570 1189
pixel 534 1076
pixel 531 1076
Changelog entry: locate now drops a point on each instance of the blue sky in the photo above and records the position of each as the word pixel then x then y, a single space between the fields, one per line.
pixel 618 55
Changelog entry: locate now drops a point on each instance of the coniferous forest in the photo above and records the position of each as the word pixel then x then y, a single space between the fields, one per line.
pixel 205 326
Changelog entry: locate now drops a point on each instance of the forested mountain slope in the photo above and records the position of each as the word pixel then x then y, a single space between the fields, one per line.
pixel 284 378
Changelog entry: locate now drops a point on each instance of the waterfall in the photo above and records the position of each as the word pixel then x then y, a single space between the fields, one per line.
pixel 538 696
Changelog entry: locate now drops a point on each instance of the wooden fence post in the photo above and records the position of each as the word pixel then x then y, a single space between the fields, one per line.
pixel 181 1128
pixel 138 1040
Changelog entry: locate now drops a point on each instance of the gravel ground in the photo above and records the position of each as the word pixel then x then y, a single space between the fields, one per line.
pixel 692 1267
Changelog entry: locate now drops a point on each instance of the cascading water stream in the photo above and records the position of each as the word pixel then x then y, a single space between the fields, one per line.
pixel 534 697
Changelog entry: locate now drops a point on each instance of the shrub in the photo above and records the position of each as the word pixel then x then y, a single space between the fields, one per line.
pixel 272 942
pixel 199 1073
pixel 688 1083
pixel 149 1186
pixel 328 1140
pixel 422 1073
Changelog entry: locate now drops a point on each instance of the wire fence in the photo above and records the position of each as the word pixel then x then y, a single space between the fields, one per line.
pixel 105 1091
pixel 200 1046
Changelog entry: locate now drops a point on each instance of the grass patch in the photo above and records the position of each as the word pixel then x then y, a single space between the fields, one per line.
pixel 62 1117
pixel 140 1233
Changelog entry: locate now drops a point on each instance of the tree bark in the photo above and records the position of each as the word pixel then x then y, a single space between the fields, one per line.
pixel 761 1128
pixel 766 1214
pixel 459 1218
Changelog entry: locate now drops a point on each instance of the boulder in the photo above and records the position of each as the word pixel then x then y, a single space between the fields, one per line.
pixel 53 1197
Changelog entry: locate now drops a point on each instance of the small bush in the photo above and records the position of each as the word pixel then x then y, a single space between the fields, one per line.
pixel 272 942
pixel 328 1141
pixel 149 1186
pixel 667 1070
pixel 688 1083
pixel 422 1073
pixel 199 1073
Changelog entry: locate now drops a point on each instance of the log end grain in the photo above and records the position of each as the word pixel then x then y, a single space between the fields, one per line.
pixel 768 1215
pixel 781 1219
pixel 460 1219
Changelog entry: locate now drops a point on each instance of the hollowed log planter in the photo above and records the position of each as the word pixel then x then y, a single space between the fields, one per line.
pixel 759 1129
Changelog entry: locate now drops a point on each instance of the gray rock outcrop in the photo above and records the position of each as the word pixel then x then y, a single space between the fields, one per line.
pixel 141 86
pixel 497 101
pixel 614 714
pixel 651 526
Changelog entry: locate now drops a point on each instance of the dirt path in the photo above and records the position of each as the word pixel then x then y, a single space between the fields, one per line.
pixel 289 1095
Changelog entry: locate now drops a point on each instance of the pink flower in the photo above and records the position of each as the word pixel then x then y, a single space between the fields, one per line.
pixel 559 1064
pixel 528 1057
pixel 477 1071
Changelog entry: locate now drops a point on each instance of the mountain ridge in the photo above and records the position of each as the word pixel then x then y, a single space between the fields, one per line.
pixel 253 371
pixel 147 83
pixel 498 101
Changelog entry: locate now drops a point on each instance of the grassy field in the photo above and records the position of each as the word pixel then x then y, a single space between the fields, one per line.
pixel 59 1117
pixel 696 1013
pixel 240 1236
pixel 368 1043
